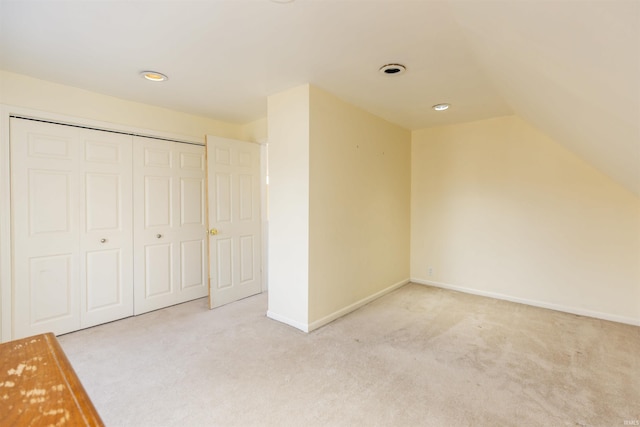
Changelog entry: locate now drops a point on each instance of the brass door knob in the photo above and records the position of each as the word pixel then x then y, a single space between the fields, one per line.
pixel 213 231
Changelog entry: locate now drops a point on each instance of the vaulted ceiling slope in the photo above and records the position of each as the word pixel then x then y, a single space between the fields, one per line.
pixel 571 68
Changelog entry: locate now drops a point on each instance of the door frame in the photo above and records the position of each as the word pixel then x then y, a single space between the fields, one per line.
pixel 264 210
pixel 6 111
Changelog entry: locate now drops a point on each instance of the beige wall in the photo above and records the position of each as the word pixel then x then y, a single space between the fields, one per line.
pixel 255 131
pixel 339 194
pixel 359 205
pixel 288 247
pixel 500 209
pixel 27 92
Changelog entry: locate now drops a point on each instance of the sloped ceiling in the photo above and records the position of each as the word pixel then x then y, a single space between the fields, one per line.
pixel 571 68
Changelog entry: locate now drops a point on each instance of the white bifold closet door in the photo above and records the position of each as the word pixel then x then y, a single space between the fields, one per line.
pixel 72 227
pixel 105 226
pixel 170 228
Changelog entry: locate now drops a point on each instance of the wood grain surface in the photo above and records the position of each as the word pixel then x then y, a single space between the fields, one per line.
pixel 38 386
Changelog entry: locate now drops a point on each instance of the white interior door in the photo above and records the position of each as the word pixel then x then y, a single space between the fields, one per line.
pixel 106 227
pixel 72 231
pixel 234 216
pixel 170 231
pixel 44 199
pixel 77 195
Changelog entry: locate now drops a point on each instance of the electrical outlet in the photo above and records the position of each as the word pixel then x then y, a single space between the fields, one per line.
pixel 430 271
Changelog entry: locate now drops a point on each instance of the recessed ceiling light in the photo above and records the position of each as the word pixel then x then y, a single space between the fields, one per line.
pixel 441 107
pixel 392 69
pixel 154 76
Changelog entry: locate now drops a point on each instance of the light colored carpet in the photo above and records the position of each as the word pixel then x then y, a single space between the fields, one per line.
pixel 419 356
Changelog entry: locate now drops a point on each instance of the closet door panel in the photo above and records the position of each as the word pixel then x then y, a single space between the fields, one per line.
pixel 158 271
pixel 192 234
pixel 49 201
pixel 104 274
pixel 103 228
pixel 158 202
pixel 72 232
pixel 170 229
pixel 191 201
pixel 192 259
pixel 106 222
pixel 104 202
pixel 44 200
pixel 153 194
pixel 51 289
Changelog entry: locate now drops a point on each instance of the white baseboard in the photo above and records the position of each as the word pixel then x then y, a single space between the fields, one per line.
pixel 541 304
pixel 356 305
pixel 308 327
pixel 304 327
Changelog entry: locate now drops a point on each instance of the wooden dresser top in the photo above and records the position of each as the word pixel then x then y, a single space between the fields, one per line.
pixel 38 386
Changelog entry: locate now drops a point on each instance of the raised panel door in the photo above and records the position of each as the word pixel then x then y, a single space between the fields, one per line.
pixel 234 214
pixel 72 231
pixel 44 200
pixel 192 225
pixel 170 229
pixel 154 188
pixel 106 227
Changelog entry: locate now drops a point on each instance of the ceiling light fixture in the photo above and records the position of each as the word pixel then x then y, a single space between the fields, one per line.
pixel 392 69
pixel 441 107
pixel 154 76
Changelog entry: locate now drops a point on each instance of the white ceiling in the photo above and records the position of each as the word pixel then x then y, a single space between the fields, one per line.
pixel 571 68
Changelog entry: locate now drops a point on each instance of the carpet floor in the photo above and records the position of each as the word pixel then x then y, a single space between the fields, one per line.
pixel 419 356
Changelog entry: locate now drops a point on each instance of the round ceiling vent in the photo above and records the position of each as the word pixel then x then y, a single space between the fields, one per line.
pixel 393 69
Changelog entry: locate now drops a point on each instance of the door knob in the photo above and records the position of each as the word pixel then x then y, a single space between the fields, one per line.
pixel 213 231
pixel 158 236
pixel 103 240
